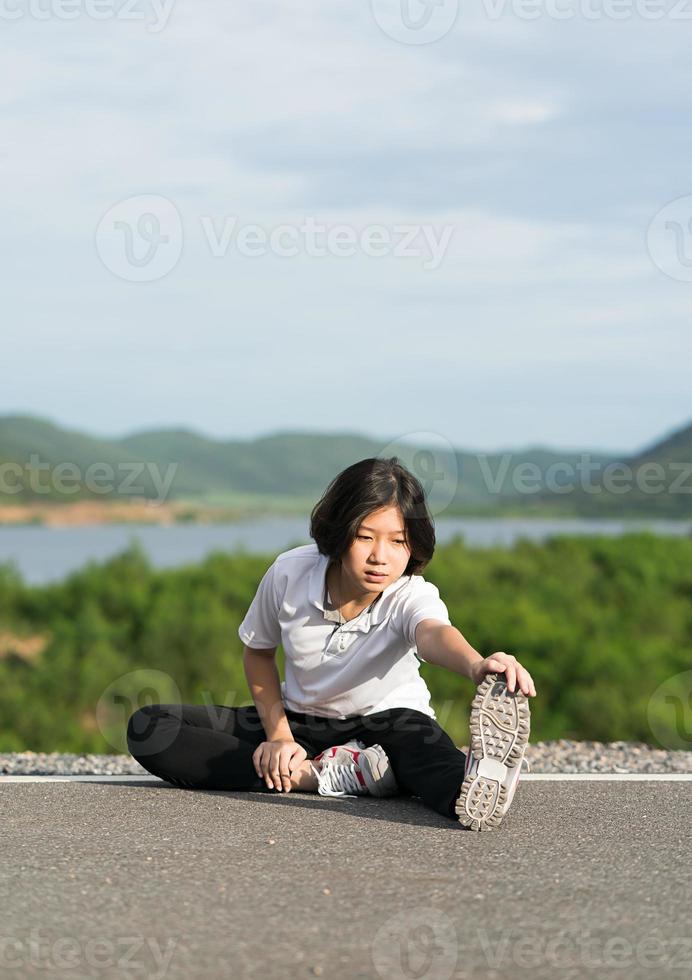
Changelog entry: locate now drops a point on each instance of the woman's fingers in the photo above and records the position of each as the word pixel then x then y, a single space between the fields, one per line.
pixel 274 770
pixel 516 674
pixel 279 769
pixel 256 760
pixel 525 681
pixel 274 763
pixel 298 756
pixel 268 767
pixel 262 760
pixel 285 769
pixel 508 663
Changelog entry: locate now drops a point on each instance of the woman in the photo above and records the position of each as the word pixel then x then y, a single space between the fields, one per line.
pixel 353 716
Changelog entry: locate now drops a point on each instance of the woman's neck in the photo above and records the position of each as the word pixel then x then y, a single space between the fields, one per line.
pixel 349 604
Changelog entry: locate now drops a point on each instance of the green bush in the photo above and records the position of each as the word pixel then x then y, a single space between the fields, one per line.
pixel 599 622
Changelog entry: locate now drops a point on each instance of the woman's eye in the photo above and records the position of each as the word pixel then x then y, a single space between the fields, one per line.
pixel 365 537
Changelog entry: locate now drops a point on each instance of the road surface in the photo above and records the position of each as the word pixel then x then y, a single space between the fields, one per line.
pixel 132 877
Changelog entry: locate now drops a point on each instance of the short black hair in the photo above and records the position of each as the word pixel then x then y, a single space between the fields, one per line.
pixel 359 490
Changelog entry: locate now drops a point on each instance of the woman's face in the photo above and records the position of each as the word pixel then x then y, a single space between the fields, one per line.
pixel 379 546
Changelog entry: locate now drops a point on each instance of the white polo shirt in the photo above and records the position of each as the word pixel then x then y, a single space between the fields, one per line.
pixel 367 665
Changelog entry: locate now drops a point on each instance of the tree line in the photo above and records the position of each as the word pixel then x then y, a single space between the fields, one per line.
pixel 600 622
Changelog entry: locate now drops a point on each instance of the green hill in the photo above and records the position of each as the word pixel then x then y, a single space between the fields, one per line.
pixel 655 482
pixel 296 466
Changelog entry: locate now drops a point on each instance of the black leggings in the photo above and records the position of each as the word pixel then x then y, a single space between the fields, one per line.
pixel 211 746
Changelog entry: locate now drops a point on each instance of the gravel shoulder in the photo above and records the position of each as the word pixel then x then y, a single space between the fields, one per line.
pixel 556 756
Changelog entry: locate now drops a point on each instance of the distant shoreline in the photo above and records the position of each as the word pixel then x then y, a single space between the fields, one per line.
pixel 86 513
pixel 143 512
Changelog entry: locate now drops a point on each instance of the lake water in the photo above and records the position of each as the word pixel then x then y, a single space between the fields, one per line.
pixel 47 554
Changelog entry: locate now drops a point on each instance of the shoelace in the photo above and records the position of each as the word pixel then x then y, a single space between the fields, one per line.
pixel 335 778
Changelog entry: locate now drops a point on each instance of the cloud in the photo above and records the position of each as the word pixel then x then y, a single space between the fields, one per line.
pixel 546 145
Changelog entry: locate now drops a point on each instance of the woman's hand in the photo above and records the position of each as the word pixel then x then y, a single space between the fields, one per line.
pixel 275 761
pixel 515 673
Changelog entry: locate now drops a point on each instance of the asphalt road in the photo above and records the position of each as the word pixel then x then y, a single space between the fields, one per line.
pixel 141 879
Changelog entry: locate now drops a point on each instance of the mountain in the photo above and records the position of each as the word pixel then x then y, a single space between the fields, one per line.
pixel 655 482
pixel 676 447
pixel 298 465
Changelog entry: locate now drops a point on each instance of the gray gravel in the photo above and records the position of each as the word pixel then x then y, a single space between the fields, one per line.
pixel 557 756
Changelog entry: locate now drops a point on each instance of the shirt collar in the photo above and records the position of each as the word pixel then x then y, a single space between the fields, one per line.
pixel 317 588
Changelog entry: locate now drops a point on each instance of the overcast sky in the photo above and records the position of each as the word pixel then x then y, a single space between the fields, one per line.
pixel 529 156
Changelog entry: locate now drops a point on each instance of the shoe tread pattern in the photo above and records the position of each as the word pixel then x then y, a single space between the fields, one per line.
pixel 499 725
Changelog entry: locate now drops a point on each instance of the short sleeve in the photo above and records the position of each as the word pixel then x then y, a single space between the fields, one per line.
pixel 261 628
pixel 423 602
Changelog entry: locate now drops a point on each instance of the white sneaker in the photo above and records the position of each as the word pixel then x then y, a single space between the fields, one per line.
pixel 499 724
pixel 355 767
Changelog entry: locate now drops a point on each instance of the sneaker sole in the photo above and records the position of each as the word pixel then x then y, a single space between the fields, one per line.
pixel 500 723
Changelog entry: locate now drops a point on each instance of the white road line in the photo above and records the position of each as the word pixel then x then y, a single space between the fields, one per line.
pixel 625 777
pixel 147 778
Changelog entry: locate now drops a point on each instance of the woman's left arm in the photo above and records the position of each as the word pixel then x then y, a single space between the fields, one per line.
pixel 443 645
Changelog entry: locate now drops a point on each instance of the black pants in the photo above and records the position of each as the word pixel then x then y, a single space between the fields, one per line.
pixel 211 746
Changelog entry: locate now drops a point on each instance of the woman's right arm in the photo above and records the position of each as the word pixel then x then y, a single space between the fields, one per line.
pixel 263 680
pixel 280 754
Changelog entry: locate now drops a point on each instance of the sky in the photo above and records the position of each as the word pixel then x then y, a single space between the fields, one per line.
pixel 412 222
